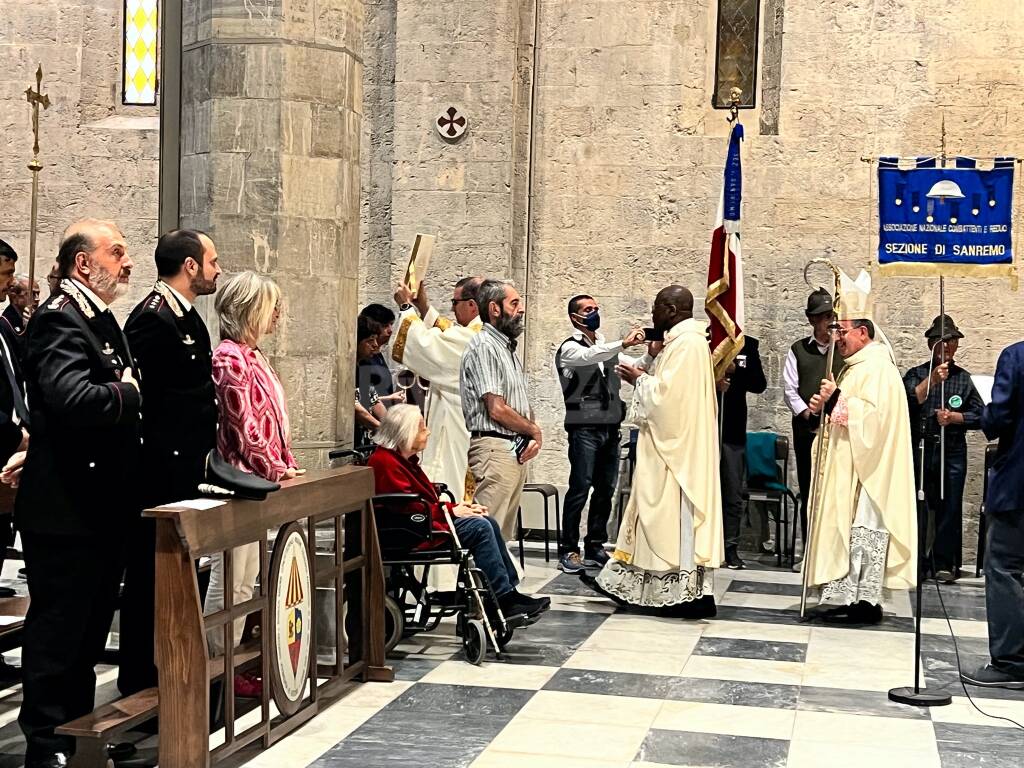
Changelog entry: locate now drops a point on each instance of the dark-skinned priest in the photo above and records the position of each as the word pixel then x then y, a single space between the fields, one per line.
pixel 671 533
pixel 863 537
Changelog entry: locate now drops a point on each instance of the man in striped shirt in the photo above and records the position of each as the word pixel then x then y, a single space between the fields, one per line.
pixel 495 404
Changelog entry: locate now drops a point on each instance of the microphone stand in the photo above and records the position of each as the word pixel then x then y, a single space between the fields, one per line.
pixel 915 695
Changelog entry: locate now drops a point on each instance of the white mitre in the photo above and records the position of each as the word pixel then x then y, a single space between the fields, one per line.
pixel 856 302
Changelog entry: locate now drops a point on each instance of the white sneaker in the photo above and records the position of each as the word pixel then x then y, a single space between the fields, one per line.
pixel 798 566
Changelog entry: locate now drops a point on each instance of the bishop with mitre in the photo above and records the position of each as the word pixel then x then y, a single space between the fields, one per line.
pixel 671 532
pixel 864 529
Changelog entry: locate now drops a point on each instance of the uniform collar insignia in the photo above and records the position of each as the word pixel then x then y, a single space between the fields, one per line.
pixel 164 290
pixel 72 290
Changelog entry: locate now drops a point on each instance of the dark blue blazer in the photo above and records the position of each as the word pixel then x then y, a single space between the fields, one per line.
pixel 1001 420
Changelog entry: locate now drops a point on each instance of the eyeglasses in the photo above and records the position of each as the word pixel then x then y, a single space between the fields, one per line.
pixel 455 302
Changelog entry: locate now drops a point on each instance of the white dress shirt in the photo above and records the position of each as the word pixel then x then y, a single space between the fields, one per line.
pixel 101 305
pixel 584 353
pixel 181 299
pixel 791 379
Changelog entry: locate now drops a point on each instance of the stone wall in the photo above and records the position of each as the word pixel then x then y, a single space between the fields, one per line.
pixel 100 158
pixel 628 156
pixel 271 123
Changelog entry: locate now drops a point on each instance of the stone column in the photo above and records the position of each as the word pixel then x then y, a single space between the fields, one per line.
pixel 270 129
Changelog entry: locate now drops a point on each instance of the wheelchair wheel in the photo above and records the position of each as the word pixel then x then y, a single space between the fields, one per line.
pixel 474 641
pixel 394 623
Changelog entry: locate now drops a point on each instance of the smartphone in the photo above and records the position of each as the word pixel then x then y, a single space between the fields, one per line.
pixel 652 334
pixel 520 444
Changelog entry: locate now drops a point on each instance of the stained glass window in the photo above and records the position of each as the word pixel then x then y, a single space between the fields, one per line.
pixel 736 51
pixel 140 38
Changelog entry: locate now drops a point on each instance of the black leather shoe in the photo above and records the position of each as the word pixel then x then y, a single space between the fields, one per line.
pixel 59 760
pixel 121 751
pixel 7 592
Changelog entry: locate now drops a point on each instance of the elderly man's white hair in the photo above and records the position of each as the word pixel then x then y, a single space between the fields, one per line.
pixel 398 428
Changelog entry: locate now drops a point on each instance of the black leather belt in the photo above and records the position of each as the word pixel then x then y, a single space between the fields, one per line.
pixel 491 433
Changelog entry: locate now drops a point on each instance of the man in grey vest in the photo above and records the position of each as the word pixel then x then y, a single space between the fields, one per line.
pixel 802 375
pixel 585 365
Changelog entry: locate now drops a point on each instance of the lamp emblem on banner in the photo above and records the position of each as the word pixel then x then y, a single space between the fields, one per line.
pixel 945 221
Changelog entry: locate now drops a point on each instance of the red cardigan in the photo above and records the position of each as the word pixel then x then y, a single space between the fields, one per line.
pixel 392 473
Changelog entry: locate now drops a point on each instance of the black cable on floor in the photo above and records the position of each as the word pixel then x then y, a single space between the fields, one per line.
pixel 959 668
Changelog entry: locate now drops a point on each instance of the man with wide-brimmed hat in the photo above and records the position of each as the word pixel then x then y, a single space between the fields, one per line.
pixel 942 394
pixel 802 375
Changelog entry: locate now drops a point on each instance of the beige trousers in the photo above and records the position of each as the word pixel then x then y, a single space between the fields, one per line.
pixel 245 569
pixel 499 479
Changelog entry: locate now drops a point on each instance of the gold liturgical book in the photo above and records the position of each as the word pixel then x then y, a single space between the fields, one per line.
pixel 419 261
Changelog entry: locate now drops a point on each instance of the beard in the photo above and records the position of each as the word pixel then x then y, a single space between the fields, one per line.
pixel 510 325
pixel 106 284
pixel 200 286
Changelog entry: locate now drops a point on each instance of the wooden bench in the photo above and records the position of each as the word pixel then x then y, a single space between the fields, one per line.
pixel 100 727
pixel 94 731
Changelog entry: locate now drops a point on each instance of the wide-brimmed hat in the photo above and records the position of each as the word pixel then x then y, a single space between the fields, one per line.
pixel 820 302
pixel 938 326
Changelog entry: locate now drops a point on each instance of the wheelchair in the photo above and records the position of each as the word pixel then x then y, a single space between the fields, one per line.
pixel 409 547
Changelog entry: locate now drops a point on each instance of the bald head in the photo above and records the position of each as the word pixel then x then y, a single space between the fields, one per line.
pixel 95 253
pixel 672 305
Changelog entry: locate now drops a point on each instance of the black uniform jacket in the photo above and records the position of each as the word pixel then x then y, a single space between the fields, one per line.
pixel 80 473
pixel 171 346
pixel 10 433
pixel 12 325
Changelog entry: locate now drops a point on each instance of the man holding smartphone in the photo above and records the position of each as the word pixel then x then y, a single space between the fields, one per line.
pixel 585 366
pixel 496 406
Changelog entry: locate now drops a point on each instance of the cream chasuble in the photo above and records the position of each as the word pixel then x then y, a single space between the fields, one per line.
pixel 868 485
pixel 434 352
pixel 672 527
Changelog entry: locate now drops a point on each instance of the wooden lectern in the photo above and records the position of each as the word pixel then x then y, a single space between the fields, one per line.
pixel 327 513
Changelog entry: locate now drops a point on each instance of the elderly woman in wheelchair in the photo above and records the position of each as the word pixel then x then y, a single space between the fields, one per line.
pixel 486 602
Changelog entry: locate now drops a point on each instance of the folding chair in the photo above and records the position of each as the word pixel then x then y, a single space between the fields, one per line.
pixel 767 472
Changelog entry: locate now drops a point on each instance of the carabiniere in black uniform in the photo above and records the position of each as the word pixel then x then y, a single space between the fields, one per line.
pixel 172 349
pixel 74 505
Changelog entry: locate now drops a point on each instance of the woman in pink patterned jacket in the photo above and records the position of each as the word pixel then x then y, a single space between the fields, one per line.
pixel 253 431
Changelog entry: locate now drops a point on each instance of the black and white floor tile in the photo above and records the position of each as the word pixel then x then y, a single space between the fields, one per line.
pixel 593 685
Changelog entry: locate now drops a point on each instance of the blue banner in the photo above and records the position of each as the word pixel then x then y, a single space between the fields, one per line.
pixel 945 216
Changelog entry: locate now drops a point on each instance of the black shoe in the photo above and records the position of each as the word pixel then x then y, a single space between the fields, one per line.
pixel 591 582
pixel 513 603
pixel 21 573
pixel 596 558
pixel 733 561
pixel 59 760
pixel 992 677
pixel 121 751
pixel 7 592
pixel 859 613
pixel 701 608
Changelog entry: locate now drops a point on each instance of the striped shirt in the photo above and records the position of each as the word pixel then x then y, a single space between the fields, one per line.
pixel 490 366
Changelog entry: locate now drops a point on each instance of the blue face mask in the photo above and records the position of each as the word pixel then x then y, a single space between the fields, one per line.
pixel 591 322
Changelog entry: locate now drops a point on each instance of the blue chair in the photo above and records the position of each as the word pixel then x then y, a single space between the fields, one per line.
pixel 767 472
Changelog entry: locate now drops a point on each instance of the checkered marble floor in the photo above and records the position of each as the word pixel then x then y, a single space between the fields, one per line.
pixel 592 685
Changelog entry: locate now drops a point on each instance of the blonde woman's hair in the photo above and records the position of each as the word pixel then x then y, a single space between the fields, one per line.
pixel 398 428
pixel 245 306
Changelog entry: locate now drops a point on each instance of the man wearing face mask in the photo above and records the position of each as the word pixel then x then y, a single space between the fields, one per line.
pixel 585 366
pixel 503 435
